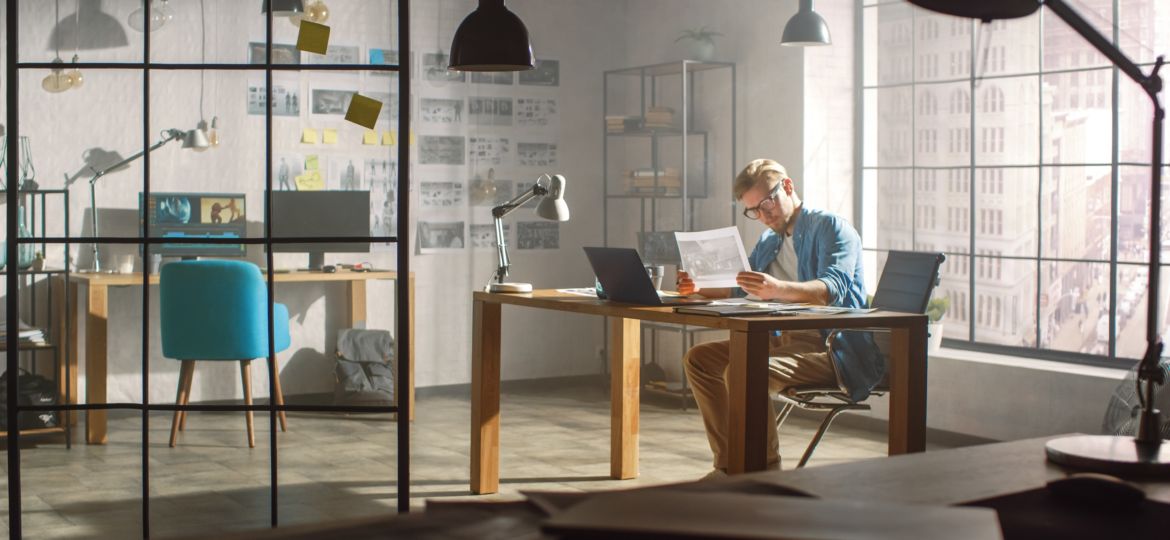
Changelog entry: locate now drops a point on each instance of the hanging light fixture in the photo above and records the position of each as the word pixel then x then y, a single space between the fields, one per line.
pixel 806 28
pixel 90 28
pixel 491 38
pixel 283 8
pixel 316 11
pixel 57 80
pixel 160 15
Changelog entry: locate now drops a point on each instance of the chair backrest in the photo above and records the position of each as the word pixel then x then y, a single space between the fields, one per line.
pixel 907 281
pixel 215 310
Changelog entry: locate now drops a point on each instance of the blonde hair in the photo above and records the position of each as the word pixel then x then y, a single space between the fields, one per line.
pixel 756 171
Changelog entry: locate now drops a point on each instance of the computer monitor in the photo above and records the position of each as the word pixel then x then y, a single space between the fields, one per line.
pixel 195 215
pixel 306 214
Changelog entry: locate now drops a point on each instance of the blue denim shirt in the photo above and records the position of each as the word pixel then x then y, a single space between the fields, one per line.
pixel 829 249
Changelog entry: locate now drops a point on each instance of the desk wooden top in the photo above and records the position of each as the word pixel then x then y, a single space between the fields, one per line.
pixel 955 476
pixel 554 300
pixel 116 280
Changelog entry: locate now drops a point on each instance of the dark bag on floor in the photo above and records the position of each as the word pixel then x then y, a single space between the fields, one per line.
pixel 33 390
pixel 365 368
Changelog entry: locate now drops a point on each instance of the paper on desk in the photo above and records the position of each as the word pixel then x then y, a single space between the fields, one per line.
pixel 712 258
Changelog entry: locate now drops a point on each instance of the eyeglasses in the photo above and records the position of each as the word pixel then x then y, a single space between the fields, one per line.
pixel 765 205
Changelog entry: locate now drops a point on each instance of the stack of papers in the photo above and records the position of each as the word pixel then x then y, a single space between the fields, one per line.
pixel 28 334
pixel 781 307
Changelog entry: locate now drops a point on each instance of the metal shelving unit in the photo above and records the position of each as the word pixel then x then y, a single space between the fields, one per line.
pixel 698 138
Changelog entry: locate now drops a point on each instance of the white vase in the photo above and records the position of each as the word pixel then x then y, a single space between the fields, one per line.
pixel 702 49
pixel 934 336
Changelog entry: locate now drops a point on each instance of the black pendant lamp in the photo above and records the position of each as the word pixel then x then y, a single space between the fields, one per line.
pixel 985 10
pixel 806 28
pixel 283 8
pixel 491 38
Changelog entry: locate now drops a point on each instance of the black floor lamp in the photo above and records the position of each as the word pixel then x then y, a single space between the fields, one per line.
pixel 1143 454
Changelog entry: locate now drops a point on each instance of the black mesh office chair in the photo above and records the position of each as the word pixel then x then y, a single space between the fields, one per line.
pixel 906 284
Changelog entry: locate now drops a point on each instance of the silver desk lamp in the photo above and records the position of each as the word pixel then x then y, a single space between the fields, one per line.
pixel 551 207
pixel 1143 454
pixel 195 139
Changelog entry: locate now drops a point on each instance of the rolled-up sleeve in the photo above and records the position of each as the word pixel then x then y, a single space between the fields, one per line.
pixel 837 258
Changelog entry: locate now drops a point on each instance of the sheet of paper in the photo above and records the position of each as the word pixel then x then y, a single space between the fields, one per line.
pixel 590 291
pixel 312 162
pixel 309 136
pixel 313 37
pixel 387 138
pixel 370 137
pixel 363 111
pixel 329 136
pixel 712 258
pixel 310 181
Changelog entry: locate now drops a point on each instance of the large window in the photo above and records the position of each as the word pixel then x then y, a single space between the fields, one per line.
pixel 1042 193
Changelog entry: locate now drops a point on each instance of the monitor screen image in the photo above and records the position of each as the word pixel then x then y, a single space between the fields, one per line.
pixel 308 214
pixel 194 215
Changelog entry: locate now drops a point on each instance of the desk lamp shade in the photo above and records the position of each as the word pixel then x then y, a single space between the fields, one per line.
pixel 552 207
pixel 283 8
pixel 985 10
pixel 807 27
pixel 196 139
pixel 491 38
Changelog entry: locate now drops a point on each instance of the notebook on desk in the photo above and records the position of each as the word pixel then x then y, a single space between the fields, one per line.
pixel 624 278
pixel 724 310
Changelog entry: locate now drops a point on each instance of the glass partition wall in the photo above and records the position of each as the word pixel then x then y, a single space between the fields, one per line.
pixel 144 134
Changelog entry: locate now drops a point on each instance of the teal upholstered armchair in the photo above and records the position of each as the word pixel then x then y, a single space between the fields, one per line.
pixel 217 310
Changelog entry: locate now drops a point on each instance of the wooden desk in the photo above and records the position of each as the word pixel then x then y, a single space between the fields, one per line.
pixel 747 377
pixel 97 311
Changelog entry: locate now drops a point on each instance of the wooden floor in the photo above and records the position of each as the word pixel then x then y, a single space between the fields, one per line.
pixel 337 466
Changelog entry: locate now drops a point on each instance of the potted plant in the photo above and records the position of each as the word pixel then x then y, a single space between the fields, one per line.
pixel 701 41
pixel 936 309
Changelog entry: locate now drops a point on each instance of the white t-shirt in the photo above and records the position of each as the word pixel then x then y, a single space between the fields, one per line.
pixel 784 266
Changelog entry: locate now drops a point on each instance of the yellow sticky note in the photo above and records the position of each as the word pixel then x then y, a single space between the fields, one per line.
pixel 363 111
pixel 412 138
pixel 310 181
pixel 313 37
pixel 309 136
pixel 388 138
pixel 370 137
pixel 330 136
pixel 311 163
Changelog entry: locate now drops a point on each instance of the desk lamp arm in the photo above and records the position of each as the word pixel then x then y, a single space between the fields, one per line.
pixel 498 214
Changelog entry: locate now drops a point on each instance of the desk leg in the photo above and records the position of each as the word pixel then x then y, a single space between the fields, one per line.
pixel 65 334
pixel 95 361
pixel 485 398
pixel 748 422
pixel 624 389
pixel 908 390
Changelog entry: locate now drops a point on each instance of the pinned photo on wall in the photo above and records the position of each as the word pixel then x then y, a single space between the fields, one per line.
pixel 434 69
pixel 492 77
pixel 538 235
pixel 483 236
pixel 338 54
pixel 659 247
pixel 313 38
pixel 440 111
pixel 363 111
pixel 285 169
pixel 282 53
pixel 437 237
pixel 329 101
pixel 382 57
pixel 489 111
pixel 441 150
pixel 344 173
pixel 488 151
pixel 547 73
pixel 441 195
pixel 536 112
pixel 383 217
pixel 380 174
pixel 286 98
pixel 536 154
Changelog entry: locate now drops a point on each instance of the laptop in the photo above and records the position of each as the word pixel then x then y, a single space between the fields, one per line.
pixel 624 278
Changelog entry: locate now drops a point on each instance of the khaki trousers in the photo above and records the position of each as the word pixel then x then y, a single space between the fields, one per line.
pixel 795 358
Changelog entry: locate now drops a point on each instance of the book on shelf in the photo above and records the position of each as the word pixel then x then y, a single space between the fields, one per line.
pixel 623 123
pixel 27 334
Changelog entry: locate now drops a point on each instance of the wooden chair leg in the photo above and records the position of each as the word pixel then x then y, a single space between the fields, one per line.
pixel 186 382
pixel 181 396
pixel 279 398
pixel 246 374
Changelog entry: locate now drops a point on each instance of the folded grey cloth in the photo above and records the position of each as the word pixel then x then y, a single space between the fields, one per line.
pixel 366 345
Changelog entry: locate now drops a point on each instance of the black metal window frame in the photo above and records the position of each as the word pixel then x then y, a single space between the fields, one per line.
pixel 403 301
pixel 1114 261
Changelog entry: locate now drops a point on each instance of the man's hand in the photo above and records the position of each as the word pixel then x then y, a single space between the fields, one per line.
pixel 686 285
pixel 759 284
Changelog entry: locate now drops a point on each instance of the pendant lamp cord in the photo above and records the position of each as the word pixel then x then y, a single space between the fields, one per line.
pixel 202 54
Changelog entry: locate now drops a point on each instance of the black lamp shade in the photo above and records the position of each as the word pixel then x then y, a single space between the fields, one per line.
pixel 807 27
pixel 491 38
pixel 283 8
pixel 987 10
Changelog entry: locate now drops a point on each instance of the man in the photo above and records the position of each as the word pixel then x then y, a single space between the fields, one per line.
pixel 805 255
